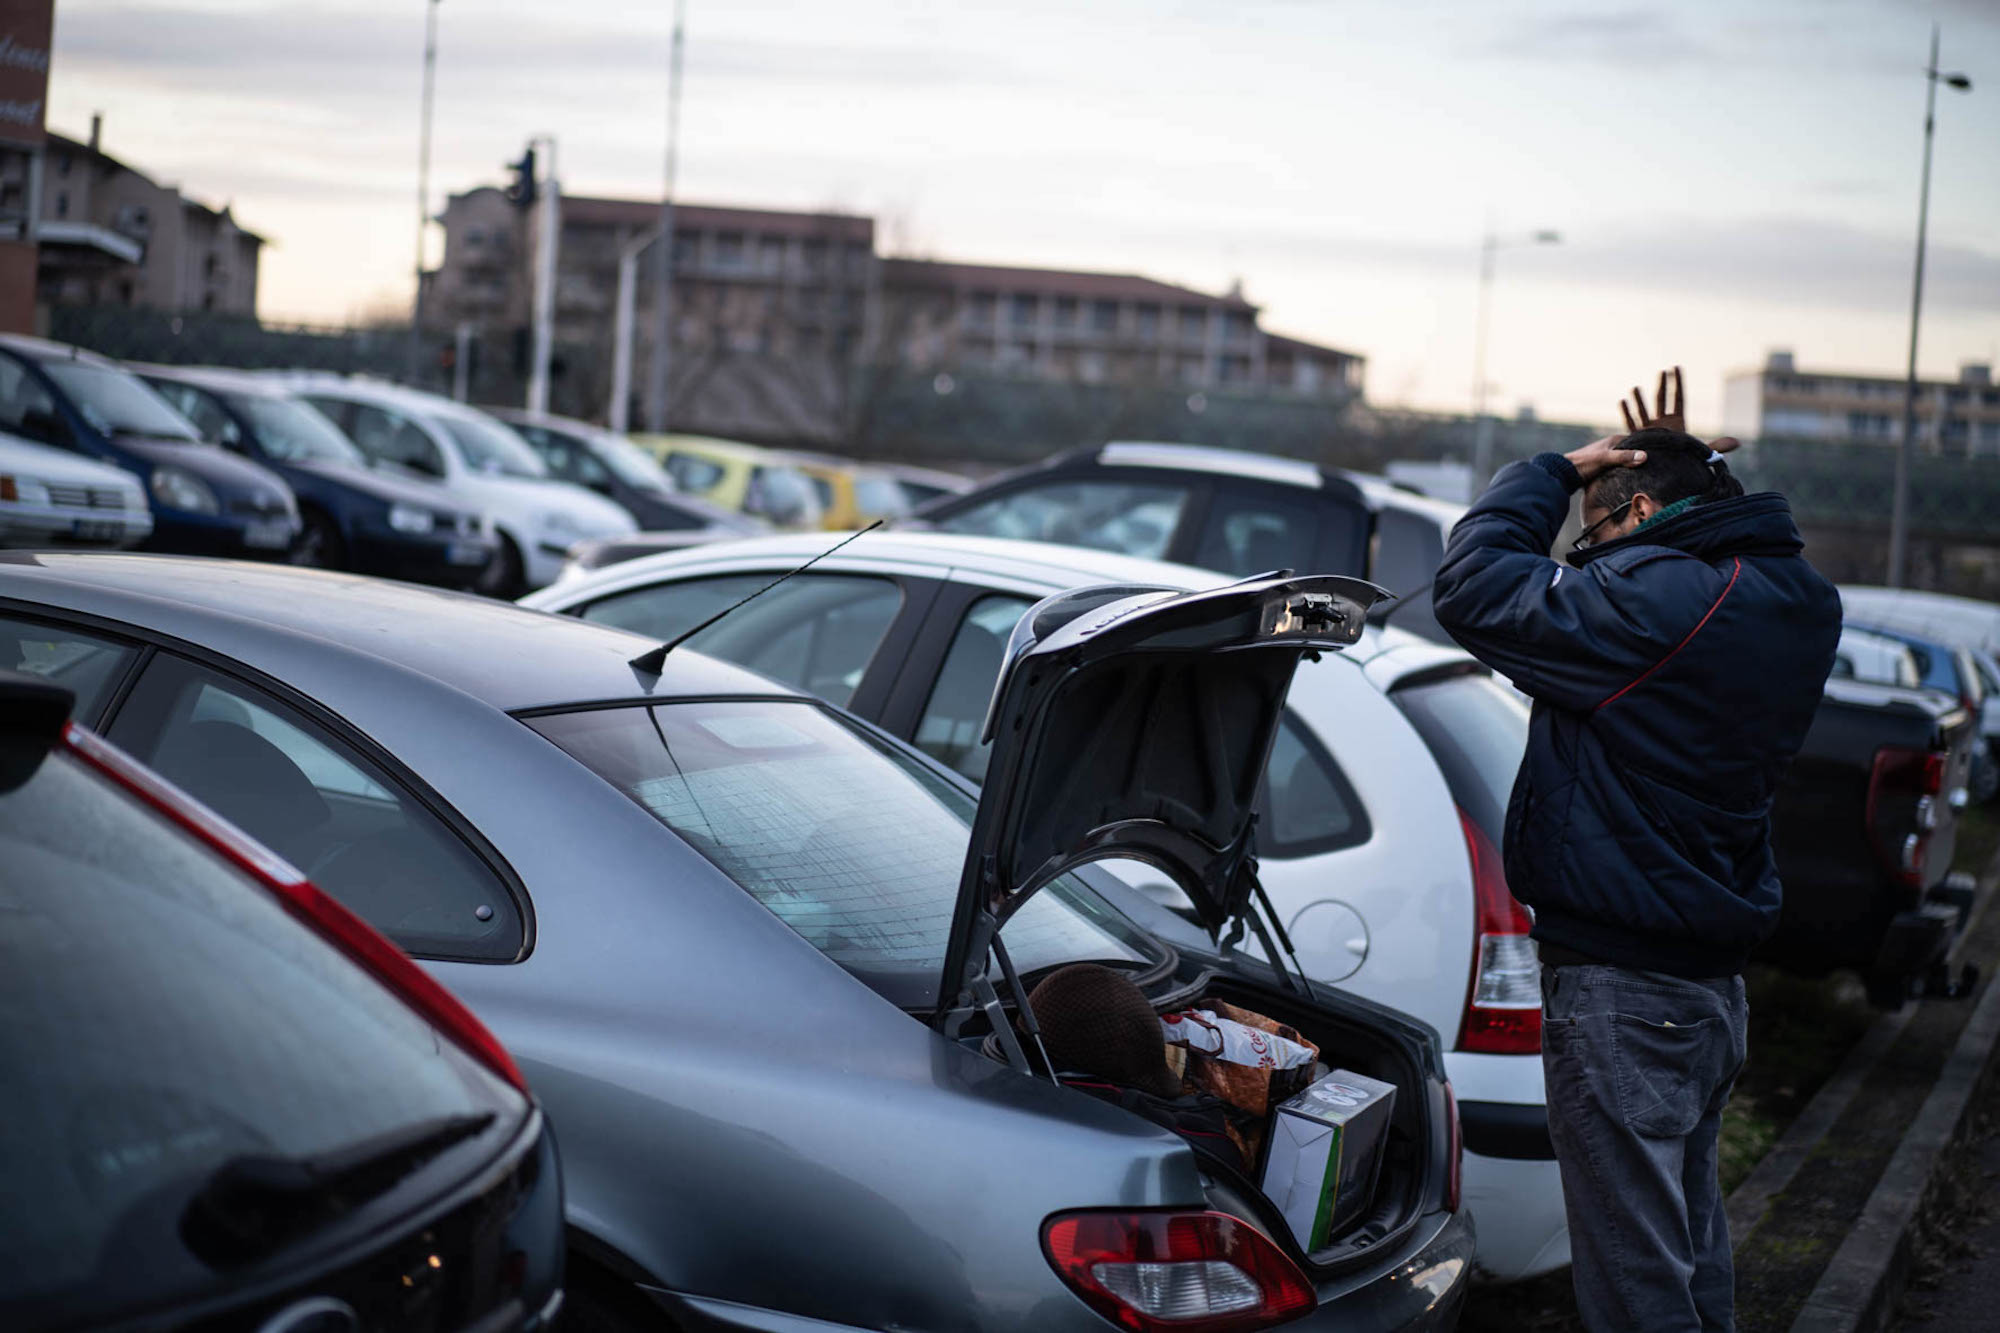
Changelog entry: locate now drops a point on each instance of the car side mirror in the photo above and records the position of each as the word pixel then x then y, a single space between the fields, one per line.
pixel 46 425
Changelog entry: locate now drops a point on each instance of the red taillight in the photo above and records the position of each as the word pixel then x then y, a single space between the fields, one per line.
pixel 1503 1008
pixel 1905 779
pixel 328 918
pixel 1164 1270
pixel 1454 1176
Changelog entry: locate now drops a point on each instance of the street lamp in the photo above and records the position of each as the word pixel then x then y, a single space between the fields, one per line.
pixel 1899 511
pixel 657 383
pixel 1482 429
pixel 424 183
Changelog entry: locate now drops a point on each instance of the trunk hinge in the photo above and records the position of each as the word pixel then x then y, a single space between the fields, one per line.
pixel 1256 912
pixel 979 990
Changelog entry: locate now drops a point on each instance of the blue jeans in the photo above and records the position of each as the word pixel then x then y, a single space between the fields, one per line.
pixel 1639 1066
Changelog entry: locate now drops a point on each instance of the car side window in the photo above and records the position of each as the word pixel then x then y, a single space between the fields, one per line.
pixel 1408 550
pixel 1135 518
pixel 202 409
pixel 26 408
pixel 323 806
pixel 390 437
pixel 817 632
pixel 1252 533
pixel 1308 805
pixel 956 711
pixel 84 663
pixel 696 476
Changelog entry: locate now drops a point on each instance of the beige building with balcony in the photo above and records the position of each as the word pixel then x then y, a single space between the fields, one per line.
pixel 111 235
pixel 1779 401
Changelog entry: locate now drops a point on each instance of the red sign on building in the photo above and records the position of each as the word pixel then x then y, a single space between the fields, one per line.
pixel 26 27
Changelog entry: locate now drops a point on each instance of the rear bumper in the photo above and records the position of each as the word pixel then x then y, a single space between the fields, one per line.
pixel 1917 939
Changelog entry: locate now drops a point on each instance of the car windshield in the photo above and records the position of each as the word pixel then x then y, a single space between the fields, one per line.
pixel 632 464
pixel 488 446
pixel 117 403
pixel 295 431
pixel 856 845
pixel 879 497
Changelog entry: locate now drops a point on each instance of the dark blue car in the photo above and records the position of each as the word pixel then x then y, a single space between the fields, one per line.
pixel 355 518
pixel 205 501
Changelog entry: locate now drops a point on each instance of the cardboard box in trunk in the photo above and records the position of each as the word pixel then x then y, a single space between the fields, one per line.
pixel 1326 1152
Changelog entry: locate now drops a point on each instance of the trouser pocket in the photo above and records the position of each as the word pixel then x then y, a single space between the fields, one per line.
pixel 1667 1070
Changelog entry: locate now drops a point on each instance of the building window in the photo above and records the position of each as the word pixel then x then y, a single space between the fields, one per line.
pixel 1066 308
pixel 729 249
pixel 62 204
pixel 1022 309
pixel 62 164
pixel 1193 323
pixel 983 304
pixel 1104 316
pixel 1149 320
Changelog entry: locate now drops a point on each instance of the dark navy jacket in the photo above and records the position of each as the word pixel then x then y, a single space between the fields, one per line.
pixel 1674 673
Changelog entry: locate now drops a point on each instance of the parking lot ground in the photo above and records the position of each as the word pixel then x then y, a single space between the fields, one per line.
pixel 1801 1031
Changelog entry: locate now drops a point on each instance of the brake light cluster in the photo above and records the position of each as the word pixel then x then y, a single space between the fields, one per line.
pixel 1503 1009
pixel 326 917
pixel 1905 779
pixel 1192 1272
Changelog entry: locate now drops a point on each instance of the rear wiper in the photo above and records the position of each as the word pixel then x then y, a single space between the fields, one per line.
pixel 252 1206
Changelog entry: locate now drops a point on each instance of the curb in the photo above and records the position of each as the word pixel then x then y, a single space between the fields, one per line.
pixel 1859 1288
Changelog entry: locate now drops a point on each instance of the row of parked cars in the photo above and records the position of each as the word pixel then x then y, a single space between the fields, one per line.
pixel 755 907
pixel 354 474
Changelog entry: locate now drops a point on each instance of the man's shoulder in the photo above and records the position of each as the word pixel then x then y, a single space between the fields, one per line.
pixel 1667 560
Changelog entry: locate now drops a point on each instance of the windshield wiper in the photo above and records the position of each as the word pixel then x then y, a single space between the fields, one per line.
pixel 253 1206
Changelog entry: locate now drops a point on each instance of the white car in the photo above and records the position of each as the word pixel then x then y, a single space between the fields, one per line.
pixel 491 468
pixel 51 497
pixel 1382 807
pixel 1864 655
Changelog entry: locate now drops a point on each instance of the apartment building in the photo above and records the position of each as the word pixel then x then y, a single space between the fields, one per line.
pixel 111 235
pixel 1094 328
pixel 1780 401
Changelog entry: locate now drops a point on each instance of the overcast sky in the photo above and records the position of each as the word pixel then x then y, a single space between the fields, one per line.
pixel 1727 175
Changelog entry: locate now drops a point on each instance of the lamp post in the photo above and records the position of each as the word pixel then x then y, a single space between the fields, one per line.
pixel 663 270
pixel 1899 510
pixel 423 184
pixel 1482 429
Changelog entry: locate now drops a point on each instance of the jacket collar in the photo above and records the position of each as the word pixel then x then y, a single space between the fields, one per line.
pixel 1759 524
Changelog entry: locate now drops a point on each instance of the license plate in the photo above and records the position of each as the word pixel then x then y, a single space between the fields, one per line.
pixel 98 529
pixel 271 534
pixel 467 553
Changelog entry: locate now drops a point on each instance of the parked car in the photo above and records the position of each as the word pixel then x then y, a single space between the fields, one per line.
pixel 1221 509
pixel 730 933
pixel 354 517
pixel 739 477
pixel 52 498
pixel 231 1104
pixel 1965 621
pixel 1951 670
pixel 484 463
pixel 1863 831
pixel 851 494
pixel 717 525
pixel 921 485
pixel 204 501
pixel 1380 812
pixel 1865 655
pixel 608 463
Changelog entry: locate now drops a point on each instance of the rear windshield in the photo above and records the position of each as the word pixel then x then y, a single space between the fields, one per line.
pixel 1476 729
pixel 855 845
pixel 164 1016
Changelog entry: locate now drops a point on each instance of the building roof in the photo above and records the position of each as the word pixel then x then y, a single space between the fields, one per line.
pixel 590 211
pixel 67 144
pixel 1056 281
pixel 1277 342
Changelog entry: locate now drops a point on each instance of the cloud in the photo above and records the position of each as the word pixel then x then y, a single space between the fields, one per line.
pixel 1622 37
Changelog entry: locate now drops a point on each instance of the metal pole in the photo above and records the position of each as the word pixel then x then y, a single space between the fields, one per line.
pixel 658 372
pixel 545 284
pixel 461 363
pixel 1482 436
pixel 423 186
pixel 618 413
pixel 1899 509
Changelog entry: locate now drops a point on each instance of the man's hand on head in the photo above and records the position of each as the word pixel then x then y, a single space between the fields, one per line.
pixel 1601 456
pixel 1663 415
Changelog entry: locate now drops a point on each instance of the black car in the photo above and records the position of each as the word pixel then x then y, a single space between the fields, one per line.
pixel 1221 509
pixel 354 518
pixel 205 501
pixel 613 466
pixel 232 1105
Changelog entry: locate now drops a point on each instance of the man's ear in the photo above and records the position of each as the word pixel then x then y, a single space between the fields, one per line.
pixel 1643 507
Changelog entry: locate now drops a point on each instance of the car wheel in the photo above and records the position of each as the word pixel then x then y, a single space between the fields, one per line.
pixel 502 576
pixel 319 544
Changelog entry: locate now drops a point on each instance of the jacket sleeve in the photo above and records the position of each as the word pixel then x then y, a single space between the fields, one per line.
pixel 1572 637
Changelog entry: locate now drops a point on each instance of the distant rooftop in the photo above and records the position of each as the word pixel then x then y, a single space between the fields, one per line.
pixel 1006 279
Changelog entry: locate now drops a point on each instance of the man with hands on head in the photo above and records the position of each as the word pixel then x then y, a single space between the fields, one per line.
pixel 1675 659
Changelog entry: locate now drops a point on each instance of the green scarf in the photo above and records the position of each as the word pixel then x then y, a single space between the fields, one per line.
pixel 1677 507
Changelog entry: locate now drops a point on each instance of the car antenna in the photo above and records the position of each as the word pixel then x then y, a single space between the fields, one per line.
pixel 653 659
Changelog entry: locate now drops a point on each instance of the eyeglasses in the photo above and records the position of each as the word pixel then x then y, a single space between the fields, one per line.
pixel 1583 541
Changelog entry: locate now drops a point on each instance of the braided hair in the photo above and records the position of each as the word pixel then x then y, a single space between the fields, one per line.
pixel 1678 467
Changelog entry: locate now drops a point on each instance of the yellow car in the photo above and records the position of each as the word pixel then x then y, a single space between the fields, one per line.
pixel 852 494
pixel 743 477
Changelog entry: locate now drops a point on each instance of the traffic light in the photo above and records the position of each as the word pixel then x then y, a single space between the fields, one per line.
pixel 521 192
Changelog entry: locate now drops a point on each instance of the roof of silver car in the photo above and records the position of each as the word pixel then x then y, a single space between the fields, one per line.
pixel 265 616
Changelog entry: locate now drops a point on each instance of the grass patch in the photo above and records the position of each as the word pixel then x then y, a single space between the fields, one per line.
pixel 1800 1031
pixel 1978 839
